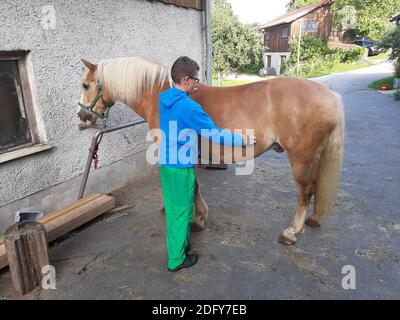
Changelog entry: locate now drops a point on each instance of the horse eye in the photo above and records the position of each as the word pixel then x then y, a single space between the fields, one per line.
pixel 85 86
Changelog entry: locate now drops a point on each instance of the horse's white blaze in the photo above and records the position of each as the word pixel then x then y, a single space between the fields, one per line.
pixel 81 101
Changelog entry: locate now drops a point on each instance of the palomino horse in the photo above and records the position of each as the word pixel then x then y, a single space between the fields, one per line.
pixel 301 117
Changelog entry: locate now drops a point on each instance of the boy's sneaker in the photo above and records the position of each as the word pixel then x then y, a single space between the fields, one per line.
pixel 190 260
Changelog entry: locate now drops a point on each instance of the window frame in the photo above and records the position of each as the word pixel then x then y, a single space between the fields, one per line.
pixel 21 57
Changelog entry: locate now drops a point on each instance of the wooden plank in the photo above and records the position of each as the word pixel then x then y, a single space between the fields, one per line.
pixel 67 221
pixel 3 255
pixel 64 220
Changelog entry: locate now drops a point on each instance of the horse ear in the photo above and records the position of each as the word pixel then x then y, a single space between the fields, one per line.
pixel 91 66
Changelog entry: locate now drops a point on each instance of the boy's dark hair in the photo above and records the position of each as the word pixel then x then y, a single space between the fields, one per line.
pixel 182 67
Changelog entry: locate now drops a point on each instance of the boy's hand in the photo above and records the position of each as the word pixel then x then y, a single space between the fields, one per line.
pixel 248 140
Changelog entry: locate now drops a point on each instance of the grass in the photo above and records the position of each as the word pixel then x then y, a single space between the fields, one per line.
pixel 339 68
pixel 344 67
pixel 380 56
pixel 376 84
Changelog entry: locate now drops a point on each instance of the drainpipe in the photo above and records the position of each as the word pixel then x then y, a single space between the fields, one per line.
pixel 207 14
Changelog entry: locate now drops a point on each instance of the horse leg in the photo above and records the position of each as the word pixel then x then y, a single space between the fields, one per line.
pixel 305 176
pixel 313 221
pixel 201 210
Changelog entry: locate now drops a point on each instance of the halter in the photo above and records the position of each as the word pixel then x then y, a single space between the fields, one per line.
pixel 97 98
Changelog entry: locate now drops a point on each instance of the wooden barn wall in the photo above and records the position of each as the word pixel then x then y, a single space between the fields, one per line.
pixel 277 43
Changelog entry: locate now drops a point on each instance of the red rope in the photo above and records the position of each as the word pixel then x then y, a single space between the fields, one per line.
pixel 95 156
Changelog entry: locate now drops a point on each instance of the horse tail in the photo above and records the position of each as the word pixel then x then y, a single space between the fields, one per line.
pixel 330 164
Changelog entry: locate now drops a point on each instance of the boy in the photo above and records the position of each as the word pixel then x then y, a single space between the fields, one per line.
pixel 178 114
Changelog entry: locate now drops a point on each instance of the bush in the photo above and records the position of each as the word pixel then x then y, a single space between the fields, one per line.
pixel 252 68
pixel 392 40
pixel 311 47
pixel 316 58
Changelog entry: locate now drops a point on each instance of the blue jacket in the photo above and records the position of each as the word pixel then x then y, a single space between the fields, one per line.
pixel 181 121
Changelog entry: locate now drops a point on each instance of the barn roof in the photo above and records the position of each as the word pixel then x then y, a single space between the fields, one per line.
pixel 295 14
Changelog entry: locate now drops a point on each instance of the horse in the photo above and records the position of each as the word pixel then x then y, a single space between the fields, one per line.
pixel 300 117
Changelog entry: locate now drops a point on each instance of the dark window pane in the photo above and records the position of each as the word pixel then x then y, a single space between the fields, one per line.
pixel 14 130
pixel 285 32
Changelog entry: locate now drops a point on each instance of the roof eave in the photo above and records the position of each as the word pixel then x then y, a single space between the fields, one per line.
pixel 322 4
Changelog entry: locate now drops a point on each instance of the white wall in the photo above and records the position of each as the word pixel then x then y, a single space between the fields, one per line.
pixel 275 60
pixel 92 30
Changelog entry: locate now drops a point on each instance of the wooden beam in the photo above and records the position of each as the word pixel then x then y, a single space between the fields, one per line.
pixel 64 220
pixel 27 254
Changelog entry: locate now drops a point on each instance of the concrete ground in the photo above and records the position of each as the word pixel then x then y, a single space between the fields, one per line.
pixel 122 255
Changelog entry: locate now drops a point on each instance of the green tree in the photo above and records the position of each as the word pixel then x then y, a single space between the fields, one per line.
pixel 235 45
pixel 367 17
pixel 372 16
pixel 296 4
pixel 392 41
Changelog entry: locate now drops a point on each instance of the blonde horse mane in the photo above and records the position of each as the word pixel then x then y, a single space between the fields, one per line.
pixel 127 79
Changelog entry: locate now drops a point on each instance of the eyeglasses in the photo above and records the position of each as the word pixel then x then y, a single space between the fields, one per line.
pixel 194 78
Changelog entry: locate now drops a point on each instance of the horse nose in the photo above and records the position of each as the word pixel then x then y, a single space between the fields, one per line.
pixel 85 115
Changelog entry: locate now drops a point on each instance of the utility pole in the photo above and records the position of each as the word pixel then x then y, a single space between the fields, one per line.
pixel 298 50
pixel 208 24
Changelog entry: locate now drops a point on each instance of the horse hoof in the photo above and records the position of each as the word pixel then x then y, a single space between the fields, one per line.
pixel 282 239
pixel 312 223
pixel 162 211
pixel 277 147
pixel 196 227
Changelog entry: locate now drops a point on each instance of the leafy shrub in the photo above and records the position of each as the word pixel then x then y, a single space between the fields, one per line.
pixel 392 41
pixel 316 58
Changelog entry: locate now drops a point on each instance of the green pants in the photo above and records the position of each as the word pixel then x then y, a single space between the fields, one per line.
pixel 178 186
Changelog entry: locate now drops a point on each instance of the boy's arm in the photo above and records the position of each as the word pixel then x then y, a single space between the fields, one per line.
pixel 197 120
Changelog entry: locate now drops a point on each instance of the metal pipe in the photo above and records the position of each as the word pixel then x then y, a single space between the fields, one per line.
pixel 208 23
pixel 96 138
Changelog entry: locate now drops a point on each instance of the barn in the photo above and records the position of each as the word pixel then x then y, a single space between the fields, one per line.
pixel 278 33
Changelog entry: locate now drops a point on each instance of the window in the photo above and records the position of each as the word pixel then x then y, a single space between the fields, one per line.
pixel 267 36
pixel 283 66
pixel 269 61
pixel 14 126
pixel 17 119
pixel 285 32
